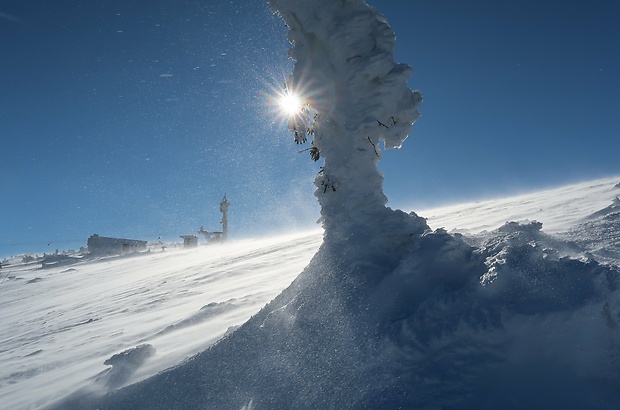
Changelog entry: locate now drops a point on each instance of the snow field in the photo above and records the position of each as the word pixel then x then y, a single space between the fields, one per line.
pixel 60 324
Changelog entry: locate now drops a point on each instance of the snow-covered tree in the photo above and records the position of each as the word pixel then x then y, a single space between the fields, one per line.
pixel 355 96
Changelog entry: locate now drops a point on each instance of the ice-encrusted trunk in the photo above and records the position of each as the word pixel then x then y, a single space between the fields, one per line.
pixel 345 71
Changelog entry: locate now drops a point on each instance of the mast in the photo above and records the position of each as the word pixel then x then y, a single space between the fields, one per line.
pixel 224 209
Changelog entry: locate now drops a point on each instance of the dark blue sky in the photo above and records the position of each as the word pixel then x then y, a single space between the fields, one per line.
pixel 517 96
pixel 133 118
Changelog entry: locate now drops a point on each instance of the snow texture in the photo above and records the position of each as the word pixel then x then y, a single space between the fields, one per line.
pixel 511 317
pixel 59 325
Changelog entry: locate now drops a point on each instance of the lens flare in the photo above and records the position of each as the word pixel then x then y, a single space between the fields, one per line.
pixel 290 104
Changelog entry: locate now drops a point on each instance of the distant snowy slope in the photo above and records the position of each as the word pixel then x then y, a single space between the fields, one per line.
pixel 558 209
pixel 587 214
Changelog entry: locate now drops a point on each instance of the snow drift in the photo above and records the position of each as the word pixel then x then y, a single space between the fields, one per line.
pixel 512 318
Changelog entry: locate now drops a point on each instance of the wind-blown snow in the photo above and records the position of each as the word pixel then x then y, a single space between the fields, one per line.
pixel 59 325
pixel 560 208
pixel 388 313
pixel 508 318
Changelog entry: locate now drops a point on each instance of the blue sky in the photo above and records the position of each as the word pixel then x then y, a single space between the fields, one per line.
pixel 132 119
pixel 517 96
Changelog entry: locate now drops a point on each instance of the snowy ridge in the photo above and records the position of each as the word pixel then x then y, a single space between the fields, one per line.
pixel 559 208
pixel 511 318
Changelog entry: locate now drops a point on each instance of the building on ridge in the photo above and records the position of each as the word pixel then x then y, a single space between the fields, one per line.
pixel 101 245
pixel 190 241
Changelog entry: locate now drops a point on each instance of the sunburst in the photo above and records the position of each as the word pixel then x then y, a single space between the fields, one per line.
pixel 289 103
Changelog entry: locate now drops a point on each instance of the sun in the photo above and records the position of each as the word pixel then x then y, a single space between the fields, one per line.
pixel 290 103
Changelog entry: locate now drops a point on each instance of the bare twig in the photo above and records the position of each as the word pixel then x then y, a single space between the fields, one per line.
pixel 373 145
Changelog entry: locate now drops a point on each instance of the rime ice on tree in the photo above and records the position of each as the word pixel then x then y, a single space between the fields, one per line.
pixel 345 71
